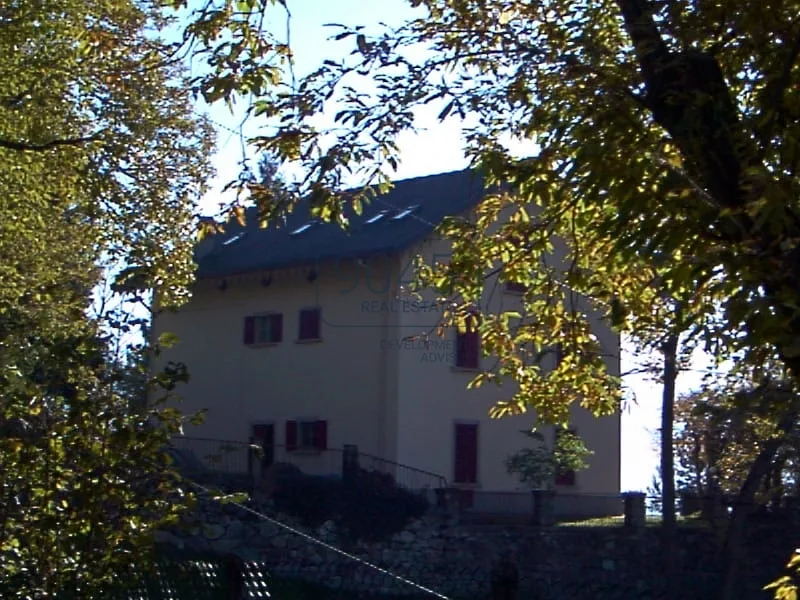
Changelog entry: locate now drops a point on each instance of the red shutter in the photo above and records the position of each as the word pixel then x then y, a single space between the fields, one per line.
pixel 466 453
pixel 259 432
pixel 249 331
pixel 472 354
pixel 276 327
pixel 468 350
pixel 309 324
pixel 321 434
pixel 291 435
pixel 305 325
pixel 461 349
pixel 566 478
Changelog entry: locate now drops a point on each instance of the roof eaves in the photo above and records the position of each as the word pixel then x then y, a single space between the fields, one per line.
pixel 396 248
pixel 294 263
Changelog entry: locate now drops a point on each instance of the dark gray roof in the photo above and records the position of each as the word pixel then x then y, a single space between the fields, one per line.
pixel 437 196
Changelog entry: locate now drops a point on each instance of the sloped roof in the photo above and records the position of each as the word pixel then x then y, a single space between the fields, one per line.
pixel 255 249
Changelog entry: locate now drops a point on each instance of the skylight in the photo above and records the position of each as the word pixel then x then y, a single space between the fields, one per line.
pixel 378 217
pixel 405 212
pixel 235 238
pixel 305 227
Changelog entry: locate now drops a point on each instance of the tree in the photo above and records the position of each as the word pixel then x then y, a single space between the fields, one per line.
pixel 736 444
pixel 101 160
pixel 721 430
pixel 538 466
pixel 660 331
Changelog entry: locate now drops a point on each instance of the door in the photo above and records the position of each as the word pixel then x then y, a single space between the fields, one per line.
pixel 465 469
pixel 465 459
pixel 264 437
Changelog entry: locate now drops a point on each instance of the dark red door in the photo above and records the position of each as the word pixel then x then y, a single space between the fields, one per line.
pixel 466 453
pixel 264 437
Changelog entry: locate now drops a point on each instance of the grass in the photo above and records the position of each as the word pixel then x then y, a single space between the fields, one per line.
pixel 692 521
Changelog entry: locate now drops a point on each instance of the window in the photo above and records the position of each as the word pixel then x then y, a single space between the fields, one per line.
pixel 405 212
pixel 310 328
pixel 468 346
pixel 378 217
pixel 465 458
pixel 305 227
pixel 306 434
pixel 566 476
pixel 234 239
pixel 263 329
pixel 514 287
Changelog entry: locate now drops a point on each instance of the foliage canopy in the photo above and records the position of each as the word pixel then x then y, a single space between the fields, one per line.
pixel 101 160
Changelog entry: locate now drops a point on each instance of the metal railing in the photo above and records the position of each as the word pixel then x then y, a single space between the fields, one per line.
pixel 237 457
pixel 226 456
pixel 242 458
pixel 406 477
pixel 575 505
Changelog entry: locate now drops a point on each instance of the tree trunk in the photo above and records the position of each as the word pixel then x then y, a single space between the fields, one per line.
pixel 668 523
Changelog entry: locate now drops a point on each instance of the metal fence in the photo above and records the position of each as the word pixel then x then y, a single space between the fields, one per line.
pixel 587 506
pixel 195 454
pixel 241 458
pixel 226 456
pixel 406 477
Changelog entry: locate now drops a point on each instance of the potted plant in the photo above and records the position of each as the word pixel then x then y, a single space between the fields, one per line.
pixel 538 465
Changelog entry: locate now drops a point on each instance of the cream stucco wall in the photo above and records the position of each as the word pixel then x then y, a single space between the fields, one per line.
pixel 342 379
pixel 391 396
pixel 434 396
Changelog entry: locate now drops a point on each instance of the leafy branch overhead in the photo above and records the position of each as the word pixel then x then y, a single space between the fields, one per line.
pixel 101 162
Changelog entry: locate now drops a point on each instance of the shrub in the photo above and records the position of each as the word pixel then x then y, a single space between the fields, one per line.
pixel 370 507
pixel 374 507
pixel 311 499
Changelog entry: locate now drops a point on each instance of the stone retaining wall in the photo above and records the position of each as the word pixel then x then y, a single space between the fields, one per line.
pixel 457 559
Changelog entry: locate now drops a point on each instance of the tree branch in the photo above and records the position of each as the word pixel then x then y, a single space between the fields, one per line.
pixel 648 44
pixel 690 99
pixel 28 147
pixel 774 98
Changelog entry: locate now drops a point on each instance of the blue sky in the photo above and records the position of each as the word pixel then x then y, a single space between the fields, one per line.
pixel 435 150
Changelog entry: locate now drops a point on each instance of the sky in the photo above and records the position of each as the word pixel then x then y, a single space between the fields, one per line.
pixel 437 149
